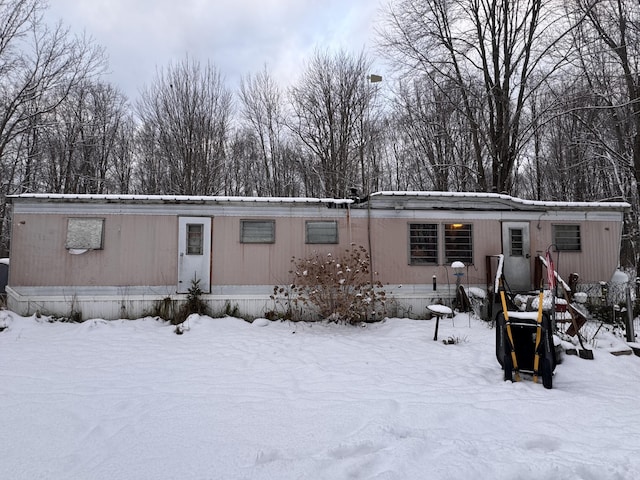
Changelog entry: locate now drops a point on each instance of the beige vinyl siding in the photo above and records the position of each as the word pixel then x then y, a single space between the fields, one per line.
pixel 237 263
pixel 137 250
pixel 141 250
pixel 599 254
pixel 391 255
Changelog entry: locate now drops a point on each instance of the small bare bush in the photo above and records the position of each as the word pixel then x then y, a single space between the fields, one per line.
pixel 338 288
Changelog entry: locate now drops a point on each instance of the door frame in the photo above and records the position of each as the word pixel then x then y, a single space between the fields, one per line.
pixel 517 268
pixel 192 265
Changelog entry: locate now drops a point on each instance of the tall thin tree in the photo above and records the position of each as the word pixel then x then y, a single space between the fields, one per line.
pixel 185 117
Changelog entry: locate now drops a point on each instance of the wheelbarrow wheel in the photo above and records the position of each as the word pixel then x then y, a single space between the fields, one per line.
pixel 507 364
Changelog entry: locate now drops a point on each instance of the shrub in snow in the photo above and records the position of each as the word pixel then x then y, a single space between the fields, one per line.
pixel 194 304
pixel 337 288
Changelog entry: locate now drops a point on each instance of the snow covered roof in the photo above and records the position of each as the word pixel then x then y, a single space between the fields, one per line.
pixel 172 198
pixel 464 198
pixel 410 199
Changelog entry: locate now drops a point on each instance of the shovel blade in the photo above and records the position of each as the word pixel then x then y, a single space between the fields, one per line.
pixel 586 354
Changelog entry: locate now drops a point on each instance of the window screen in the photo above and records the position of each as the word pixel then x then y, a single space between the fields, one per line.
pixel 567 238
pixel 257 231
pixel 423 243
pixel 458 243
pixel 321 231
pixel 85 233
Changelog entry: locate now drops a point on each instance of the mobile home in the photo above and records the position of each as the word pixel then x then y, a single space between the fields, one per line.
pixel 116 256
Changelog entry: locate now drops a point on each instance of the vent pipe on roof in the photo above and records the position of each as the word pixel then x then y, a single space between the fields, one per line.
pixel 355 196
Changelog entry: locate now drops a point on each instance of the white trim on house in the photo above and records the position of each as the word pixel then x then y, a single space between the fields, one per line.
pixel 409 205
pixel 463 200
pixel 309 211
pixel 137 301
pixel 186 210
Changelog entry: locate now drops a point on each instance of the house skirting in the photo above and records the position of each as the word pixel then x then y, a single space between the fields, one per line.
pixel 250 302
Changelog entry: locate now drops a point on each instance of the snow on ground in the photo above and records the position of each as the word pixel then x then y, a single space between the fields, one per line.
pixel 232 400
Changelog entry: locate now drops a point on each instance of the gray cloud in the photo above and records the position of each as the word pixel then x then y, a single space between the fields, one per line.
pixel 238 36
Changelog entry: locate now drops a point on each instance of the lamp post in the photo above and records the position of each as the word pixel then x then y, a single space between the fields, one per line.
pixel 373 78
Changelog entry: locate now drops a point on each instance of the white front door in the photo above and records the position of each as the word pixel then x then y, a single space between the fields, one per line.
pixel 194 253
pixel 516 248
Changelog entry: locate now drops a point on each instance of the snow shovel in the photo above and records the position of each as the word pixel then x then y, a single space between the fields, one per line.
pixel 585 353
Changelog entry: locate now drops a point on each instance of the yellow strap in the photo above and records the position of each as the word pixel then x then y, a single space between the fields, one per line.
pixel 536 360
pixel 514 359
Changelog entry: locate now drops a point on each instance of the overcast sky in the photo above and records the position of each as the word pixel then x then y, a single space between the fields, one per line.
pixel 238 36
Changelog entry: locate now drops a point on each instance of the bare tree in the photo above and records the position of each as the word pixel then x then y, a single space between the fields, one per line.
pixel 246 168
pixel 82 141
pixel 577 153
pixel 607 36
pixel 328 107
pixel 263 114
pixel 120 175
pixel 491 55
pixel 184 118
pixel 245 173
pixel 39 66
pixel 433 137
pixel 609 59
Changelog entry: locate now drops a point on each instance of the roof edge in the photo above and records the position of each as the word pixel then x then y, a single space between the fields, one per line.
pixel 503 197
pixel 202 199
pixel 114 198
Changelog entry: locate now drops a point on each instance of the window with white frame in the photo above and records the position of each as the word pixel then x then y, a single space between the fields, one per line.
pixel 567 238
pixel 317 231
pixel 85 233
pixel 257 231
pixel 423 244
pixel 458 243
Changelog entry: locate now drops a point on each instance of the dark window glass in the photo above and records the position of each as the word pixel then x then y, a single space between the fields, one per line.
pixel 194 238
pixel 423 244
pixel 516 240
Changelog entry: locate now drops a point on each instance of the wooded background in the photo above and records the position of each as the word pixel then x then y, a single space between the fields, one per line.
pixel 535 98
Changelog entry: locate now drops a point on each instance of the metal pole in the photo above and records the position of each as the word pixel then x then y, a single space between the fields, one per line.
pixel 631 336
